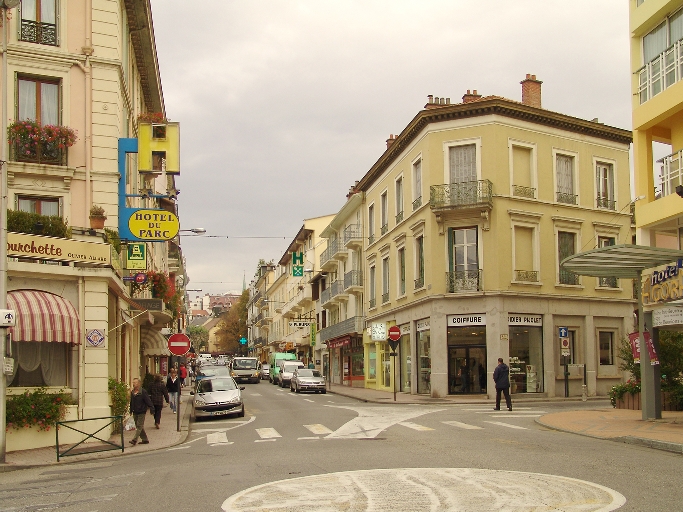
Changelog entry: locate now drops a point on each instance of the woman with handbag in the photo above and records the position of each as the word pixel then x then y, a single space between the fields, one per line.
pixel 158 393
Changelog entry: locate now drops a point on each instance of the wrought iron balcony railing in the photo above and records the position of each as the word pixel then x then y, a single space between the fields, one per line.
pixel 399 217
pixel 45 153
pixel 385 298
pixel 353 234
pixel 520 191
pixel 671 172
pixel 463 281
pixel 419 282
pixel 337 288
pixel 354 278
pixel 353 325
pixel 371 239
pixel 417 203
pixel 38 32
pixel 461 195
pixel 605 202
pixel 609 282
pixel 384 229
pixel 325 295
pixel 565 198
pixel 661 73
pixel 568 277
pixel 327 254
pixel 526 276
pixel 372 303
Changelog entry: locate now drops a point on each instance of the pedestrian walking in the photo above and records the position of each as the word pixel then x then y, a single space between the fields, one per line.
pixel 183 375
pixel 139 403
pixel 501 376
pixel 173 388
pixel 158 393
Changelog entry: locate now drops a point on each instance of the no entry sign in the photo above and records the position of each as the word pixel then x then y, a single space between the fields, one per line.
pixel 394 333
pixel 179 344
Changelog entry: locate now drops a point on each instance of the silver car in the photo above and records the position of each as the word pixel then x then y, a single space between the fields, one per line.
pixel 265 371
pixel 287 369
pixel 217 396
pixel 305 379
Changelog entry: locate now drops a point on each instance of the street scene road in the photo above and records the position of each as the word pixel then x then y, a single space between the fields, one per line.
pixel 327 452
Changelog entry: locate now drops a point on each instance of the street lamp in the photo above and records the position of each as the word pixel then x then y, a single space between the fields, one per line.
pixel 196 231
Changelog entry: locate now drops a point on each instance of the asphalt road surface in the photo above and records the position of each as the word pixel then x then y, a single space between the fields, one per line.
pixel 317 452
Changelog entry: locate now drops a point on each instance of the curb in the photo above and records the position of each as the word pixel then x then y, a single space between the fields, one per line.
pixel 638 441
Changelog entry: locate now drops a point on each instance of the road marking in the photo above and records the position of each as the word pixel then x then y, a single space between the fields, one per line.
pixel 309 400
pixel 267 433
pixel 263 440
pixel 500 423
pixel 462 425
pixel 254 394
pixel 318 429
pixel 371 421
pixel 307 438
pixel 217 438
pixel 253 418
pixel 519 415
pixel 415 426
pixel 178 448
pixel 482 411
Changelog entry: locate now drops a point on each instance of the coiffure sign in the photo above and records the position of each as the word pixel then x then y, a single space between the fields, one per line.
pixel 664 285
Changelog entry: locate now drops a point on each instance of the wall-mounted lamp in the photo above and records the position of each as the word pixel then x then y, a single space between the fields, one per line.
pixel 196 231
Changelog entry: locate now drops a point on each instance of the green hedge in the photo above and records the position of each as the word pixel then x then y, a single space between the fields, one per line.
pixel 24 222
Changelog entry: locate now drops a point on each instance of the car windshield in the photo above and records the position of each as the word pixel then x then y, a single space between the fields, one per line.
pixel 309 373
pixel 265 366
pixel 214 372
pixel 210 385
pixel 289 368
pixel 244 364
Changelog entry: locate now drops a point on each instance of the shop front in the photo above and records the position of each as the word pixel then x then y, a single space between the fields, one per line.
pixel 466 336
pixel 348 361
pixel 424 357
pixel 526 353
pixel 404 375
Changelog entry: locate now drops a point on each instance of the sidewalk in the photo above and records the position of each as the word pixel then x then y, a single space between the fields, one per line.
pixel 165 437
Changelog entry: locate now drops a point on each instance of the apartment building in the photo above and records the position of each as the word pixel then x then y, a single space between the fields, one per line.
pixel 80 75
pixel 467 215
pixel 258 325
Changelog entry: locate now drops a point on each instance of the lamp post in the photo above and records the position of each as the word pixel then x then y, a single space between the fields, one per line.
pixel 196 231
pixel 5 6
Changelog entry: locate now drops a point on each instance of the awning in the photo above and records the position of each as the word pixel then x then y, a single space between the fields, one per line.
pixel 623 261
pixel 43 316
pixel 153 343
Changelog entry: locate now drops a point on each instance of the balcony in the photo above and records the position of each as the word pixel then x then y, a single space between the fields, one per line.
pixel 38 32
pixel 463 281
pixel 339 252
pixel 520 191
pixel 305 296
pixel 353 281
pixel 417 203
pixel 325 296
pixel 569 277
pixel 526 276
pixel 38 153
pixel 608 282
pixel 326 260
pixel 671 172
pixel 399 217
pixel 373 303
pixel 563 197
pixel 353 325
pixel 353 236
pixel 605 202
pixel 661 72
pixel 419 282
pixel 338 292
pixel 385 298
pixel 384 229
pixel 470 194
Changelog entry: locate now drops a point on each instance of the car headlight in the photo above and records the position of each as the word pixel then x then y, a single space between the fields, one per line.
pixel 235 400
pixel 199 401
pixel 232 374
pixel 255 374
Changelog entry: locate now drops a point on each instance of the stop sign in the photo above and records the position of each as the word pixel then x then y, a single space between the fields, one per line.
pixel 179 344
pixel 394 333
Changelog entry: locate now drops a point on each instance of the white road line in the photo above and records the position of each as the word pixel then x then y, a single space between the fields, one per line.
pixel 253 418
pixel 267 433
pixel 263 440
pixel 318 429
pixel 482 411
pixel 254 394
pixel 309 400
pixel 217 438
pixel 415 426
pixel 500 423
pixel 518 415
pixel 178 448
pixel 307 438
pixel 462 425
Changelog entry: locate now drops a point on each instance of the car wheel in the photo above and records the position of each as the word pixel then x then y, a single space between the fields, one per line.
pixel 258 381
pixel 241 413
pixel 324 391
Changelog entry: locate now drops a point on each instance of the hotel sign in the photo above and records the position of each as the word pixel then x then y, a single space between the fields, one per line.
pixel 664 285
pixel 24 245
pixel 147 225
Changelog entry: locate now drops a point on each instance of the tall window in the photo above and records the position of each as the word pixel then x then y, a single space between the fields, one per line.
pixel 606 341
pixel 606 241
pixel 463 163
pixel 38 100
pixel 666 34
pixel 464 254
pixel 417 184
pixel 384 213
pixel 399 200
pixel 372 287
pixel 565 179
pixel 39 205
pixel 385 280
pixel 419 262
pixel 566 246
pixel 39 21
pixel 604 177
pixel 371 224
pixel 401 271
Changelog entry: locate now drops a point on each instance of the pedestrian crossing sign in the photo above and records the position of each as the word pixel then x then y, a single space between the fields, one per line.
pixel 136 257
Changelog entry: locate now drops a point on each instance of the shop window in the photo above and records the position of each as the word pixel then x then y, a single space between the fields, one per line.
pixel 386 368
pixel 40 364
pixel 526 359
pixel 372 362
pixel 425 362
pixel 357 365
pixel 606 342
pixel 40 205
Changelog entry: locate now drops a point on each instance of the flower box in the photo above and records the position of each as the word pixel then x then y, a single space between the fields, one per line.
pixel 632 402
pixel 31 142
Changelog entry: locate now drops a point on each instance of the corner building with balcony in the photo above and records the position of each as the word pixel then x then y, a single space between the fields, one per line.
pixel 466 216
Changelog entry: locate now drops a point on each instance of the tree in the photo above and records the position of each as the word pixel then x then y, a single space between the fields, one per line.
pixel 233 326
pixel 199 337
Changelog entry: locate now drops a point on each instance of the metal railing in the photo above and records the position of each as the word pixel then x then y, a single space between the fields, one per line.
pixel 399 217
pixel 608 282
pixel 352 233
pixel 521 191
pixel 467 194
pixel 108 445
pixel 348 326
pixel 353 278
pixel 671 172
pixel 419 282
pixel 568 277
pixel 325 295
pixel 372 303
pixel 371 239
pixel 463 281
pixel 661 72
pixel 527 276
pixel 417 203
pixel 383 230
pixel 385 298
pixel 329 252
pixel 40 153
pixel 605 202
pixel 38 32
pixel 563 197
pixel 633 213
pixel 337 287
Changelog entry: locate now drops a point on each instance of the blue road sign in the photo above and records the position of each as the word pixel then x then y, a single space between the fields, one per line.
pixel 564 332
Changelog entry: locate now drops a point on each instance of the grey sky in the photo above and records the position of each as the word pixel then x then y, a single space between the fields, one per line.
pixel 284 104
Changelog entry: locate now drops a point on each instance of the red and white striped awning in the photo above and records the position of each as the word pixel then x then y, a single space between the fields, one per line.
pixel 43 316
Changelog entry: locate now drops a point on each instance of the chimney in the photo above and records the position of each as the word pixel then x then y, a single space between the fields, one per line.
pixel 392 138
pixel 435 101
pixel 469 97
pixel 531 91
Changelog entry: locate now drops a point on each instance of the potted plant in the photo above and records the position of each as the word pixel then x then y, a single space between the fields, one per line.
pixel 97 217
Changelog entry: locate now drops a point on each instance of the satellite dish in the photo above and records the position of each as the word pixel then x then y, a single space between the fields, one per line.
pixel 9 4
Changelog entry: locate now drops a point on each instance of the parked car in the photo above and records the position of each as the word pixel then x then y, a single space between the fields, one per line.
pixel 217 396
pixel 211 371
pixel 265 371
pixel 304 379
pixel 245 369
pixel 286 371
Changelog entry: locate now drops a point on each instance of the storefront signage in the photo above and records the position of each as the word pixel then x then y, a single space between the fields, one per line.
pixel 422 325
pixel 516 319
pixel 8 366
pixel 150 304
pixel 405 329
pixel 664 285
pixel 662 317
pixel 313 329
pixel 299 325
pixel 339 343
pixel 466 320
pixel 136 257
pixel 23 245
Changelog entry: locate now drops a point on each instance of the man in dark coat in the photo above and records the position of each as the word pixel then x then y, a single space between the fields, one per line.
pixel 139 403
pixel 501 376
pixel 158 393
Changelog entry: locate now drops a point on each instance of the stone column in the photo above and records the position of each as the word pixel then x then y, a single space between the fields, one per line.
pixel 591 357
pixel 550 354
pixel 439 354
pixel 96 358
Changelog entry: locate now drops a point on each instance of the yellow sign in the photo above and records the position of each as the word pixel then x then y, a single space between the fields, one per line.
pixel 159 148
pixel 24 245
pixel 153 225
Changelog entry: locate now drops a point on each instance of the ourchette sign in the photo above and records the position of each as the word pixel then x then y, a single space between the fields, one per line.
pixel 148 225
pixel 24 245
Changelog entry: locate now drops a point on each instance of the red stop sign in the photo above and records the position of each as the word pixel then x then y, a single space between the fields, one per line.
pixel 179 344
pixel 394 333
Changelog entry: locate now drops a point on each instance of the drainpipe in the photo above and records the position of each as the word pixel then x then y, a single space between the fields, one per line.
pixel 81 347
pixel 88 51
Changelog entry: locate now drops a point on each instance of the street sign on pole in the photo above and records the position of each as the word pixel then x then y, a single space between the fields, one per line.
pixel 179 344
pixel 394 333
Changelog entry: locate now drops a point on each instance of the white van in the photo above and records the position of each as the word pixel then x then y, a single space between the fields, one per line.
pixel 286 370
